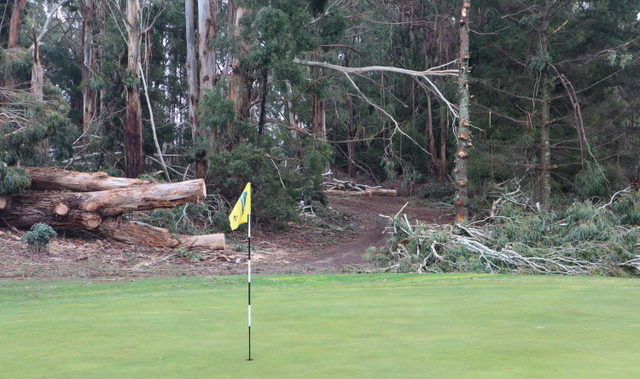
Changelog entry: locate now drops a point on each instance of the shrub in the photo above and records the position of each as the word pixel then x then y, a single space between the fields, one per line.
pixel 39 236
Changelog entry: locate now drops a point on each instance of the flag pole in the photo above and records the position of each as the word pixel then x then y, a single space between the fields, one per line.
pixel 249 284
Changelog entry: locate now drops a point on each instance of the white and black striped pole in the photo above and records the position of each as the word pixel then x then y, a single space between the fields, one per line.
pixel 249 285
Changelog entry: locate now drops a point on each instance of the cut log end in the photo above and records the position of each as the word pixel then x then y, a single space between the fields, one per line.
pixel 61 209
pixel 91 206
pixel 91 220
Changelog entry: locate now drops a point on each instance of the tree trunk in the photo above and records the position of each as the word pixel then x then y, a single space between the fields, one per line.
pixel 87 209
pixel 15 23
pixel 318 117
pixel 14 32
pixel 56 179
pixel 99 210
pixel 137 233
pixel 37 74
pixel 207 23
pixel 317 110
pixel 443 142
pixel 133 128
pixel 350 138
pixel 463 136
pixel 90 61
pixel 239 84
pixel 429 132
pixel 545 138
pixel 192 68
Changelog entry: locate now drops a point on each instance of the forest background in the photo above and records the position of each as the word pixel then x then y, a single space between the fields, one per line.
pixel 278 92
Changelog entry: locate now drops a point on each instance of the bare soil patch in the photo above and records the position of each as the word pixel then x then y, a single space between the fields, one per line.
pixel 334 240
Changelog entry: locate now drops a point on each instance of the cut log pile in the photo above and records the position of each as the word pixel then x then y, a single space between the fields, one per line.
pixel 97 201
pixel 349 188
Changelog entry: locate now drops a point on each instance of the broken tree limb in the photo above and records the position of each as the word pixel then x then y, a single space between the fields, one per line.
pixel 3 202
pixel 48 178
pixel 138 233
pixel 366 192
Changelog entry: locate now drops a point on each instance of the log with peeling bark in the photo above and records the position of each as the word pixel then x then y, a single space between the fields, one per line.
pixel 48 178
pixel 366 192
pixel 138 233
pixel 99 211
pixel 85 209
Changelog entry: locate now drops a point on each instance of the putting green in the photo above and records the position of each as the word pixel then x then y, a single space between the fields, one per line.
pixel 333 326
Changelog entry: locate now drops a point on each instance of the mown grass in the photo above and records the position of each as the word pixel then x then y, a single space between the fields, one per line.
pixel 325 326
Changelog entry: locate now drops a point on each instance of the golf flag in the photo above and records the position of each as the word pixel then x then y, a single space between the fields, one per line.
pixel 242 210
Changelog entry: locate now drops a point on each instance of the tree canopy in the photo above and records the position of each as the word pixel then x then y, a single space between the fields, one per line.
pixel 270 91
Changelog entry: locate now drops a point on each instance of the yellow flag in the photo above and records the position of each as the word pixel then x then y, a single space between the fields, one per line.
pixel 242 210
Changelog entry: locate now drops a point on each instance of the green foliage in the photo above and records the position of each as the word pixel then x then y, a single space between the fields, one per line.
pixel 38 236
pixel 13 180
pixel 591 182
pixel 188 255
pixel 277 185
pixel 586 238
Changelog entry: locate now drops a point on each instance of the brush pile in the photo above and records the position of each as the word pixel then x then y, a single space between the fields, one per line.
pixel 584 239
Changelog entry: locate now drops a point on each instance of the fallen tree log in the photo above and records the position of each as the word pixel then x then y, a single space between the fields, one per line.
pixel 366 192
pixel 48 178
pixel 96 203
pixel 86 209
pixel 138 233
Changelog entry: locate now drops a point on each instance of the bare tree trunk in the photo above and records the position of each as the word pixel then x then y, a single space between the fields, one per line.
pixel 545 151
pixel 463 136
pixel 263 100
pixel 90 61
pixel 350 138
pixel 15 23
pixel 207 23
pixel 545 138
pixel 239 85
pixel 317 117
pixel 192 68
pixel 37 72
pixel 317 111
pixel 429 132
pixel 443 142
pixel 133 128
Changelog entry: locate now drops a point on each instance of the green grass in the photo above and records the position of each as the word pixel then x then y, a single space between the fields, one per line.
pixel 325 326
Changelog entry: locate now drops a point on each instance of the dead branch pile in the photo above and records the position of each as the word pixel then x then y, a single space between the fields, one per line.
pixel 349 188
pixel 585 239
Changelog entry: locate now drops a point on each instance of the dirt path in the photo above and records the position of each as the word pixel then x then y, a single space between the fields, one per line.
pixel 335 241
pixel 343 250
